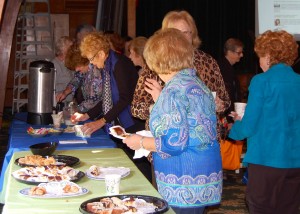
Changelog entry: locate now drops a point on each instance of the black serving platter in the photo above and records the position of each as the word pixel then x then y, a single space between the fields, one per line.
pixel 62 159
pixel 76 178
pixel 160 203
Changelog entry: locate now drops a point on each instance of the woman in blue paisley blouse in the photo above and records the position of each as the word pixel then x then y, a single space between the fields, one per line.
pixel 186 153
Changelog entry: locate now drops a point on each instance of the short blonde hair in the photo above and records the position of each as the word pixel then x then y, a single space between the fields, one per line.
pixel 175 16
pixel 92 43
pixel 168 51
pixel 138 44
pixel 280 45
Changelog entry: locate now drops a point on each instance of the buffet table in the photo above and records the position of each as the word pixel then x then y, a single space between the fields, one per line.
pixel 19 140
pixel 134 183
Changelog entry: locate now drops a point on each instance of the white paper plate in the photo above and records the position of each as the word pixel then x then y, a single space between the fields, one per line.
pixel 54 190
pixel 113 133
pixel 108 170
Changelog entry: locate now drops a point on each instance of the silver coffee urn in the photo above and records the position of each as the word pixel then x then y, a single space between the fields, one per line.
pixel 40 92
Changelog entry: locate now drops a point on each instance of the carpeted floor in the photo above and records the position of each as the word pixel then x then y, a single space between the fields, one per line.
pixel 233 197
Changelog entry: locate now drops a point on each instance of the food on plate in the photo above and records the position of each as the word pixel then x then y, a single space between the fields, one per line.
pixel 69 129
pixel 37 191
pixel 118 131
pixel 37 160
pixel 70 189
pixel 41 131
pixel 55 188
pixel 94 170
pixel 46 173
pixel 117 205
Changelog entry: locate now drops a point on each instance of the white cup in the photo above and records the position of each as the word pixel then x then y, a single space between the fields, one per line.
pixel 239 108
pixel 112 184
pixel 214 93
pixel 56 120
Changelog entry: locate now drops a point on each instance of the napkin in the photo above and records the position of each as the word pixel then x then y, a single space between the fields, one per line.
pixel 142 152
pixel 72 141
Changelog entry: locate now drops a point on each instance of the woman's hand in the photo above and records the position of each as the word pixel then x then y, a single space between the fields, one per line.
pixel 133 141
pixel 235 116
pixel 60 96
pixel 91 127
pixel 153 88
pixel 79 117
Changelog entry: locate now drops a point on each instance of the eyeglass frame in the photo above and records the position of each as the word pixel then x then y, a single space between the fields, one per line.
pixel 92 58
pixel 238 52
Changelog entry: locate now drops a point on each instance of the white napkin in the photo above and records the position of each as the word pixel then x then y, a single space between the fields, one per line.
pixel 142 152
pixel 72 141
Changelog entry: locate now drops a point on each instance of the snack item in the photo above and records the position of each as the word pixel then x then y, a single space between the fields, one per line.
pixel 117 205
pixel 118 132
pixel 37 160
pixel 37 191
pixel 94 170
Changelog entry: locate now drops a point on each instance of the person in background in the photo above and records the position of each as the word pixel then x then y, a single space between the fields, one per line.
pixel 183 123
pixel 206 66
pixel 127 40
pixel 87 78
pixel 63 74
pixel 271 124
pixel 136 48
pixel 116 42
pixel 82 31
pixel 233 52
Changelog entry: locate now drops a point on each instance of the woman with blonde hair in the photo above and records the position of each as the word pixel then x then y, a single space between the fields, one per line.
pixel 186 152
pixel 271 124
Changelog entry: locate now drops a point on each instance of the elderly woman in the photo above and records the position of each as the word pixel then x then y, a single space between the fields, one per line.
pixel 206 66
pixel 136 49
pixel 119 78
pixel 87 83
pixel 63 74
pixel 183 123
pixel 271 124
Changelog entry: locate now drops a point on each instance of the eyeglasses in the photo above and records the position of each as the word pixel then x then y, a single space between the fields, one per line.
pixel 92 58
pixel 238 52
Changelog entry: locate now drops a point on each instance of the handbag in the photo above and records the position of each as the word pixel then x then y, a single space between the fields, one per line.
pixel 231 154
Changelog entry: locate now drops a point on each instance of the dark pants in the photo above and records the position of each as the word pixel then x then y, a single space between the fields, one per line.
pixel 198 210
pixel 273 190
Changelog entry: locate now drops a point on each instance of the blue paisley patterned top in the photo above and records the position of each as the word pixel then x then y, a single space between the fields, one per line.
pixel 91 87
pixel 187 163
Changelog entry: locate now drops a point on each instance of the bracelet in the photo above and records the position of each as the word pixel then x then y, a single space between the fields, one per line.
pixel 141 142
pixel 103 120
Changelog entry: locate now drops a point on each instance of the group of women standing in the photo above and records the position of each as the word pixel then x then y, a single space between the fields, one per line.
pixel 174 94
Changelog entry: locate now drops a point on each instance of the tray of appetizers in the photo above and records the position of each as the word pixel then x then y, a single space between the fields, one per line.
pixel 38 160
pixel 124 204
pixel 54 190
pixel 44 174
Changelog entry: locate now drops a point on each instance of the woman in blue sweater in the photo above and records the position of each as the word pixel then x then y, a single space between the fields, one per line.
pixel 271 124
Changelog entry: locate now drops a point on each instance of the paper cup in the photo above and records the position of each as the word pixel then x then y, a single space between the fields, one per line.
pixel 214 94
pixel 239 108
pixel 56 120
pixel 112 184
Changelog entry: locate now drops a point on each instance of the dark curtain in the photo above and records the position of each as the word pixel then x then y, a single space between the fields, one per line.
pixel 217 20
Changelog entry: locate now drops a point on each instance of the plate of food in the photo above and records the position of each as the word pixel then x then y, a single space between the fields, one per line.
pixel 44 174
pixel 61 189
pixel 56 131
pixel 37 132
pixel 118 132
pixel 69 129
pixel 38 160
pixel 124 204
pixel 98 173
